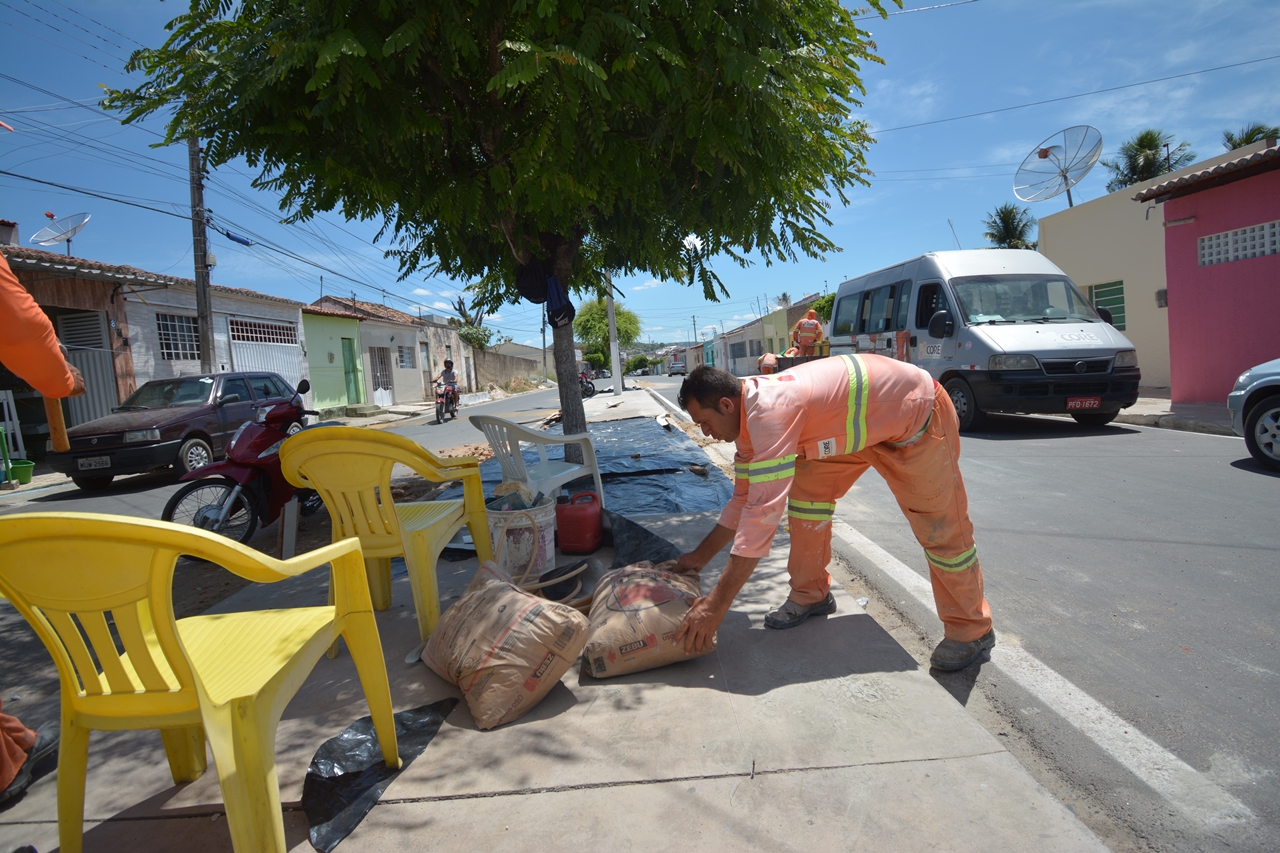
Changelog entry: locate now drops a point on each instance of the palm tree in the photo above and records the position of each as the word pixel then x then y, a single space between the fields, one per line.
pixel 1148 155
pixel 1009 226
pixel 1249 134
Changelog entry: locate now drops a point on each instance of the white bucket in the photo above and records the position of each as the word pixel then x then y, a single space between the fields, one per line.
pixel 524 540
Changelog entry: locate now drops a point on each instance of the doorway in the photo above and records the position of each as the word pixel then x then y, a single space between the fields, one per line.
pixel 351 372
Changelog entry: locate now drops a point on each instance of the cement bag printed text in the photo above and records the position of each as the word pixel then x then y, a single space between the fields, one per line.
pixel 505 648
pixel 634 618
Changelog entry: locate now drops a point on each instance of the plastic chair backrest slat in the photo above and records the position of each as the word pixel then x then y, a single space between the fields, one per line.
pixel 132 633
pixel 94 623
pixel 73 647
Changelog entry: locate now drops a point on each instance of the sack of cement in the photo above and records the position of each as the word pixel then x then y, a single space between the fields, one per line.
pixel 634 617
pixel 505 648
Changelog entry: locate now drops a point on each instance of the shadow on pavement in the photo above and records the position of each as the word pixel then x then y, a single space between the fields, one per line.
pixel 1251 465
pixel 1022 428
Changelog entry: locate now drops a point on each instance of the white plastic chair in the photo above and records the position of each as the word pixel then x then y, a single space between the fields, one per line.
pixel 548 475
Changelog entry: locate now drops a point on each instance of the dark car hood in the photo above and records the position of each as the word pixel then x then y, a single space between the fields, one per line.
pixel 135 419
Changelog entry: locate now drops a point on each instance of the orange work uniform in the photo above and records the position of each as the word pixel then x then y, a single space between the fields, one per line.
pixel 810 432
pixel 29 348
pixel 28 344
pixel 807 334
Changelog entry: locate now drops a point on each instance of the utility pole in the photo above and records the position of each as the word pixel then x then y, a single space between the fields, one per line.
pixel 615 358
pixel 322 287
pixel 544 342
pixel 199 248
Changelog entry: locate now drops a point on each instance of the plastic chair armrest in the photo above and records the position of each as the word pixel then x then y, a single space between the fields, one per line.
pixel 263 569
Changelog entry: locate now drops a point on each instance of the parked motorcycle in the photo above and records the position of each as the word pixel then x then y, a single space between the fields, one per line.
pixel 588 387
pixel 232 496
pixel 446 401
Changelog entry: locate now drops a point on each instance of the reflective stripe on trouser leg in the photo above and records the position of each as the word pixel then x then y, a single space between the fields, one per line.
pixel 811 504
pixel 925 480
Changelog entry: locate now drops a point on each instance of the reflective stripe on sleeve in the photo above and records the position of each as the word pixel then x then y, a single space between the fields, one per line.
pixel 856 425
pixel 768 470
pixel 953 564
pixel 811 510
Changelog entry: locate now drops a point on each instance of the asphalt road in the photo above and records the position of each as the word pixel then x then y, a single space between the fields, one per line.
pixel 1139 564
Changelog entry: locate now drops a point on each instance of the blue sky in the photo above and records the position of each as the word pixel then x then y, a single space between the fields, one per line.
pixel 963 58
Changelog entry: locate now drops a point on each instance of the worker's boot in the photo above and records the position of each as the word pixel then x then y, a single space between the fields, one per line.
pixel 791 614
pixel 951 655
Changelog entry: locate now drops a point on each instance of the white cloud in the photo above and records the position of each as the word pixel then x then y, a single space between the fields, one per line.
pixel 418 291
pixel 444 305
pixel 529 343
pixel 496 317
pixel 654 329
pixel 648 285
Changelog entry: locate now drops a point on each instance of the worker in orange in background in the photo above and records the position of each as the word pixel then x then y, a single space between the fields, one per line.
pixel 807 333
pixel 29 348
pixel 803 438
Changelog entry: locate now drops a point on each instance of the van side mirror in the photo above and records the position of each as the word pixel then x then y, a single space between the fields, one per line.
pixel 304 386
pixel 1104 313
pixel 941 325
pixel 228 398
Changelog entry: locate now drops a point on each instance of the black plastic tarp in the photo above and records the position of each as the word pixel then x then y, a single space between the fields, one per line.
pixel 645 469
pixel 347 774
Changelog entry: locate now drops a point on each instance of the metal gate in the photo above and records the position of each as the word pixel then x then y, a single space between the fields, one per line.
pixel 380 362
pixel 259 345
pixel 85 337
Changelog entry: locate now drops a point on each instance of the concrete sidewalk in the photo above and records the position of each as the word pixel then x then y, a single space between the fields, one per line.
pixel 826 737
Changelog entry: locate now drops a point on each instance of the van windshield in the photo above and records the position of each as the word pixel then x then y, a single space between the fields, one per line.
pixel 1022 299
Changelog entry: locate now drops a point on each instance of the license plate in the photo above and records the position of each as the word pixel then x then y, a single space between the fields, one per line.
pixel 88 463
pixel 1078 403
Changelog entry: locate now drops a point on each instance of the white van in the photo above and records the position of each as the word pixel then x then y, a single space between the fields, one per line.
pixel 1003 330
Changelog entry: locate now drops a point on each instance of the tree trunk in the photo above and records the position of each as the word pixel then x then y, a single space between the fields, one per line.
pixel 572 416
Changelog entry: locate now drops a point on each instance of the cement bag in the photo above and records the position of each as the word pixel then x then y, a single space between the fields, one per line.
pixel 505 648
pixel 634 618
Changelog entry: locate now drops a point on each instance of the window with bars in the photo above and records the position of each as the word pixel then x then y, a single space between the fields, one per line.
pixel 738 350
pixel 1252 242
pixel 1111 297
pixel 757 348
pixel 404 357
pixel 258 332
pixel 179 337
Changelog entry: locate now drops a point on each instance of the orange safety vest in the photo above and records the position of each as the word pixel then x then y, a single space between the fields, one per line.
pixel 808 331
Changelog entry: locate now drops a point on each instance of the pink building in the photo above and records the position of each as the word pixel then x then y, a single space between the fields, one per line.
pixel 1222 266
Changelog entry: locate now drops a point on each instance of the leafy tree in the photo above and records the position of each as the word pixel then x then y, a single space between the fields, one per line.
pixel 563 137
pixel 1149 154
pixel 1009 226
pixel 595 359
pixel 1249 134
pixel 637 362
pixel 824 306
pixel 476 337
pixel 591 326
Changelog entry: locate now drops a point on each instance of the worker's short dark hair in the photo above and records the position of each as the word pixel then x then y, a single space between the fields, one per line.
pixel 708 385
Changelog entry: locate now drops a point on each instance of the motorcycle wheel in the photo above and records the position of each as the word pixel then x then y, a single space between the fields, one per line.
pixel 588 389
pixel 197 503
pixel 309 502
pixel 439 413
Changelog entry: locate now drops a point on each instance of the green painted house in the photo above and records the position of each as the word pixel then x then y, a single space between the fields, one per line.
pixel 333 355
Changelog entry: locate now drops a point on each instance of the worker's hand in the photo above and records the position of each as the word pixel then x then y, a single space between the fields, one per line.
pixel 698 630
pixel 687 563
pixel 78 379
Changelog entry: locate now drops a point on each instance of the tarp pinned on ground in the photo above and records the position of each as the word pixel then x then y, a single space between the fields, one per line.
pixel 645 469
pixel 347 774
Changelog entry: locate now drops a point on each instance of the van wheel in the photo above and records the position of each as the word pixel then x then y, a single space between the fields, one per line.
pixel 1094 419
pixel 967 411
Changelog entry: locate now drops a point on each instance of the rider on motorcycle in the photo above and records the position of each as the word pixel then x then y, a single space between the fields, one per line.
pixel 449 378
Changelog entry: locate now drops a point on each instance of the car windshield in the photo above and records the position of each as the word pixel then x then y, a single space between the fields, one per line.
pixel 1022 299
pixel 163 393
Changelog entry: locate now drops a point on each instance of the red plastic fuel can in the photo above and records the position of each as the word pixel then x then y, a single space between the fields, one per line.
pixel 578 523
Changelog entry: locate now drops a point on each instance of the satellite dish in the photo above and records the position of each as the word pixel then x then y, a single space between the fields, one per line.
pixel 61 231
pixel 1058 164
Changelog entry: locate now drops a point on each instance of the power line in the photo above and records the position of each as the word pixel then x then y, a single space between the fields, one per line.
pixel 921 9
pixel 1080 95
pixel 77 26
pixel 99 23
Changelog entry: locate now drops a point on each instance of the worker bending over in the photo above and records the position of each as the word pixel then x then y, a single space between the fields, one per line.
pixel 803 438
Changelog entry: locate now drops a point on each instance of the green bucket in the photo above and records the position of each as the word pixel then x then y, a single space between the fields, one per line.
pixel 22 470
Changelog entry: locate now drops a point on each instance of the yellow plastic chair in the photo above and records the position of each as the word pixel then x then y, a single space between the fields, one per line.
pixel 91 584
pixel 350 467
